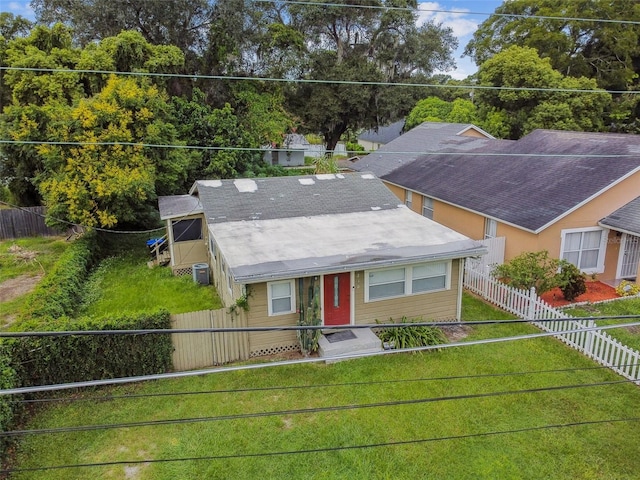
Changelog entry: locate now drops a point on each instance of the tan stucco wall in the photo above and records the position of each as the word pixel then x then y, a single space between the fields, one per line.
pixel 472 132
pixel 518 240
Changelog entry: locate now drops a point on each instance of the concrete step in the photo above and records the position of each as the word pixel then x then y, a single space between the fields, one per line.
pixel 344 342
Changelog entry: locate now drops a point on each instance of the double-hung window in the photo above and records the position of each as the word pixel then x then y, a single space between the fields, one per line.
pixel 585 248
pixel 281 297
pixel 427 207
pixel 409 280
pixel 490 228
pixel 408 198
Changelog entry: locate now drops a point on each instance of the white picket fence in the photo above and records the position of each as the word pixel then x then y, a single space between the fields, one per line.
pixel 595 344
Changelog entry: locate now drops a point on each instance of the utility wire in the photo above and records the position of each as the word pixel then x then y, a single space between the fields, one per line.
pixel 315 81
pixel 302 411
pixel 281 328
pixel 374 152
pixel 452 12
pixel 135 396
pixel 191 373
pixel 326 449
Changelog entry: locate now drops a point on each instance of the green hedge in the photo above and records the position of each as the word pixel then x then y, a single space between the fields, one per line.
pixel 74 358
pixel 60 291
pixel 8 408
pixel 32 361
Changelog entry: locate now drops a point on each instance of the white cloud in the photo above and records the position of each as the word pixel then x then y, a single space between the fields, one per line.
pixel 462 25
pixel 19 8
pixel 456 20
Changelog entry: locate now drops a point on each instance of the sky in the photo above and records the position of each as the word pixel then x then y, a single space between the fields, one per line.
pixel 462 24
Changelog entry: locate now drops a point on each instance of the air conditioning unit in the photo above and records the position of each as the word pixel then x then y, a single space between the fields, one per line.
pixel 201 273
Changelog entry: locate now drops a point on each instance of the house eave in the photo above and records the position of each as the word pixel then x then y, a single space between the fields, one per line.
pixel 356 266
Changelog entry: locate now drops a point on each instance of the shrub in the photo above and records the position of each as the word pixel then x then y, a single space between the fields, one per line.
pixel 571 281
pixel 530 269
pixel 411 336
pixel 60 292
pixel 74 358
pixel 627 288
pixel 353 147
pixel 8 408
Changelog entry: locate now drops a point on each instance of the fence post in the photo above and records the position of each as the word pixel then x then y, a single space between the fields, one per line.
pixel 533 298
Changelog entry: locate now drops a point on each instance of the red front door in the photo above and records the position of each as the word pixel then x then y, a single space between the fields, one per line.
pixel 337 299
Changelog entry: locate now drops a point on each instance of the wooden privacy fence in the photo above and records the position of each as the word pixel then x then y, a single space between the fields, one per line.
pixel 24 222
pixel 200 350
pixel 595 344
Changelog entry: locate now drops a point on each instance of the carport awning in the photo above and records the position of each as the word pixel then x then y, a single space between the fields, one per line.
pixel 626 219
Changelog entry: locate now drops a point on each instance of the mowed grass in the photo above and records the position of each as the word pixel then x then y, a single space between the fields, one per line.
pixel 630 336
pixel 125 284
pixel 427 424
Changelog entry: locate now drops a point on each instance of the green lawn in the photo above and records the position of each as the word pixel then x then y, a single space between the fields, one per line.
pixel 601 451
pixel 125 284
pixel 629 336
pixel 35 257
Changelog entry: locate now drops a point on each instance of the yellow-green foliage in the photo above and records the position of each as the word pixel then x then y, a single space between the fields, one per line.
pixel 97 185
pixel 627 288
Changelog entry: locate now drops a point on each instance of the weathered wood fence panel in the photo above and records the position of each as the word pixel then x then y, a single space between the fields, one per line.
pixel 24 222
pixel 200 350
pixel 595 344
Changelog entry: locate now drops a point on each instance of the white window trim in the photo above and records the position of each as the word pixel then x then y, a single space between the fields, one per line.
pixel 490 228
pixel 601 250
pixel 292 284
pixel 408 279
pixel 427 204
pixel 408 198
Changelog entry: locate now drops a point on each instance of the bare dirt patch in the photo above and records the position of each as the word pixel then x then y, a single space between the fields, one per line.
pixel 16 287
pixel 455 333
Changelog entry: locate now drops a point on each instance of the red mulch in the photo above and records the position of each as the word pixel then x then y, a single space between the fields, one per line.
pixel 596 291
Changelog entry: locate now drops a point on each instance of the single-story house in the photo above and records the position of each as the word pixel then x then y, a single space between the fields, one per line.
pixel 290 154
pixel 574 194
pixel 340 241
pixel 375 138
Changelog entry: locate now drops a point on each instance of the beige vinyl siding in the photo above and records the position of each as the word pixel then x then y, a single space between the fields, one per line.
pixel 258 316
pixel 440 305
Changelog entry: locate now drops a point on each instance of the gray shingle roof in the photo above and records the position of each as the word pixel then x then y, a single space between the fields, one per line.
pixel 527 191
pixel 178 206
pixel 626 218
pixel 286 227
pixel 383 134
pixel 287 197
pixel 426 137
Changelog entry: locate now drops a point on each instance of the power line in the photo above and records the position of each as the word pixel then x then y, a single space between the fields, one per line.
pixel 303 411
pixel 191 373
pixel 452 12
pixel 136 396
pixel 261 149
pixel 315 81
pixel 326 449
pixel 281 328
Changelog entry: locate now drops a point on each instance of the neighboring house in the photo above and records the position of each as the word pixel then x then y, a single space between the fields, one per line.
pixel 574 194
pixel 375 138
pixel 342 240
pixel 290 154
pixel 425 138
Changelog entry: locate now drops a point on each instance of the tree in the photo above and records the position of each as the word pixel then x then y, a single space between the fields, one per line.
pixel 433 109
pixel 182 23
pixel 608 52
pixel 114 183
pixel 361 44
pixel 534 100
pixel 605 51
